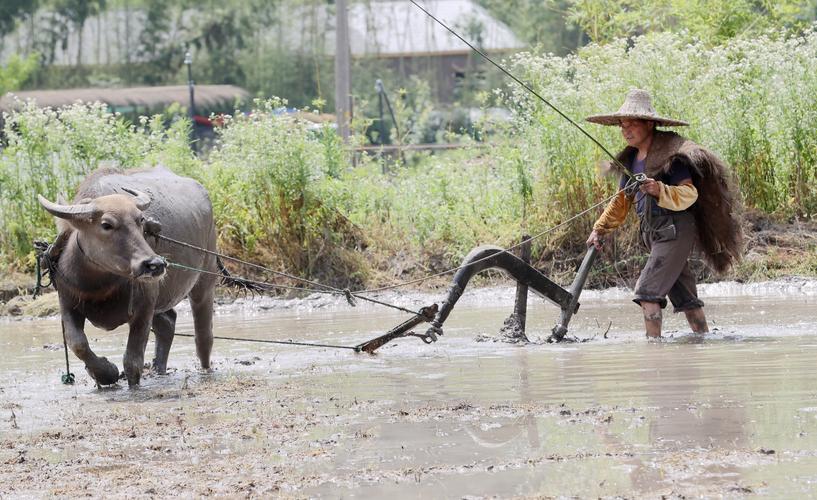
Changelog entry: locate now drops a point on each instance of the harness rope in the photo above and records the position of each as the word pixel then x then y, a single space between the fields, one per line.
pixel 265 341
pixel 249 264
pixel 346 293
pixel 43 251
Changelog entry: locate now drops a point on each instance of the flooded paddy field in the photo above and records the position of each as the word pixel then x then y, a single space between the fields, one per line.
pixel 732 414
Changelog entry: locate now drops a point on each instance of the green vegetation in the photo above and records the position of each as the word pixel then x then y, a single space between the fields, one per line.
pixel 706 20
pixel 16 71
pixel 284 194
pixel 48 153
pixel 289 195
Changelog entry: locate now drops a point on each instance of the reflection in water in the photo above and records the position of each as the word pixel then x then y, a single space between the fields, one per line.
pixel 671 385
pixel 495 435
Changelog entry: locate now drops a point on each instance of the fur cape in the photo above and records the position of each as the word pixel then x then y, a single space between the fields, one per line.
pixel 716 210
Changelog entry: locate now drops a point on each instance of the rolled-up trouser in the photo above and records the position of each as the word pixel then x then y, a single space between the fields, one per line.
pixel 670 239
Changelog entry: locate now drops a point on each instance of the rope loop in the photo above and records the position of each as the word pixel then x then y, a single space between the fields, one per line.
pixel 43 258
pixel 349 297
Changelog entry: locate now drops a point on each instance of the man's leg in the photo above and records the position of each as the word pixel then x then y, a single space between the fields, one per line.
pixel 684 296
pixel 652 318
pixel 697 320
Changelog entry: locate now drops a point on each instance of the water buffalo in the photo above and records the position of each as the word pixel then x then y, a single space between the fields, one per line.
pixel 108 272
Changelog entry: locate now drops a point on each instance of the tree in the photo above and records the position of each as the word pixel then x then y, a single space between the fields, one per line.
pixel 12 10
pixel 77 12
pixel 542 23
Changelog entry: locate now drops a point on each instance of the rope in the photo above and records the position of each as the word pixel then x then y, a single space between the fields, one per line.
pixel 67 377
pixel 43 253
pixel 262 284
pixel 286 342
pixel 250 264
pixel 38 286
pixel 346 293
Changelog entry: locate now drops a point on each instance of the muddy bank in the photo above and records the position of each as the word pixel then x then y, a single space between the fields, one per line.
pixel 245 437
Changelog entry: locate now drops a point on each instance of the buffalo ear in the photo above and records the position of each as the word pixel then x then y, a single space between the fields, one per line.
pixel 62 225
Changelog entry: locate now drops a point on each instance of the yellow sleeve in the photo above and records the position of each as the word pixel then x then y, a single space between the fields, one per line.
pixel 677 198
pixel 614 214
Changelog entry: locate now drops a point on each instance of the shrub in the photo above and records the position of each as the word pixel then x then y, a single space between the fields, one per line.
pixel 268 177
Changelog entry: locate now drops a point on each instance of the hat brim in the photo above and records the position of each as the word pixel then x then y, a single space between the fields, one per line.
pixel 615 119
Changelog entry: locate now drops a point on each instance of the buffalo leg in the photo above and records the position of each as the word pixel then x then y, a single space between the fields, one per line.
pixel 164 326
pixel 100 369
pixel 134 359
pixel 201 302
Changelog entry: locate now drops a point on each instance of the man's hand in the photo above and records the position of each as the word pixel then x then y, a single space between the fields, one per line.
pixel 595 240
pixel 651 187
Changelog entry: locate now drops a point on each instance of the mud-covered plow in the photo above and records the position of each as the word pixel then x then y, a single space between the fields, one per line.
pixel 527 277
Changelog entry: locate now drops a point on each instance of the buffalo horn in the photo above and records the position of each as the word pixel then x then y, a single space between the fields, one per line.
pixel 142 200
pixel 81 211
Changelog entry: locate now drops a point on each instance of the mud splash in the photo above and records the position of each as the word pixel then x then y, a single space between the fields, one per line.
pixel 730 415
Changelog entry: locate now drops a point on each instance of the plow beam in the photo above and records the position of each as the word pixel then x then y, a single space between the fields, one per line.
pixel 492 257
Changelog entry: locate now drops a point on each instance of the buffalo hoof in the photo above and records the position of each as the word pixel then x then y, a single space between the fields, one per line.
pixel 105 372
pixel 158 368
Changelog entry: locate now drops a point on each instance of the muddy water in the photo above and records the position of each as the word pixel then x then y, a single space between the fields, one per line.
pixel 732 414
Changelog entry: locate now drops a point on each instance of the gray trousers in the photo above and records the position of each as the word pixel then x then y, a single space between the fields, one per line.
pixel 670 239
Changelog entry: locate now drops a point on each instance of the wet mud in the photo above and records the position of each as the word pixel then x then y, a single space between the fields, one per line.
pixel 731 414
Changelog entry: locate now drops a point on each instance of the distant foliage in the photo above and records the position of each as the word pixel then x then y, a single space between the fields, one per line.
pixel 16 71
pixel 712 21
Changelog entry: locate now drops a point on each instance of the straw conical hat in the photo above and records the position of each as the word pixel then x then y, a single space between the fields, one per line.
pixel 637 106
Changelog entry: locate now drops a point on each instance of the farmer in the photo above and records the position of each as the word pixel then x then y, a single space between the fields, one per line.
pixel 685 199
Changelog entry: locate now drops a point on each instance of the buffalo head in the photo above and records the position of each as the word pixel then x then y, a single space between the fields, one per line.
pixel 110 233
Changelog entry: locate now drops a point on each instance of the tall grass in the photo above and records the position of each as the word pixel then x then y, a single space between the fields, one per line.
pixel 751 101
pixel 270 179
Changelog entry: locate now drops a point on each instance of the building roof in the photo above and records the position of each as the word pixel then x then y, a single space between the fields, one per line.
pixel 206 97
pixel 379 28
pixel 399 28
